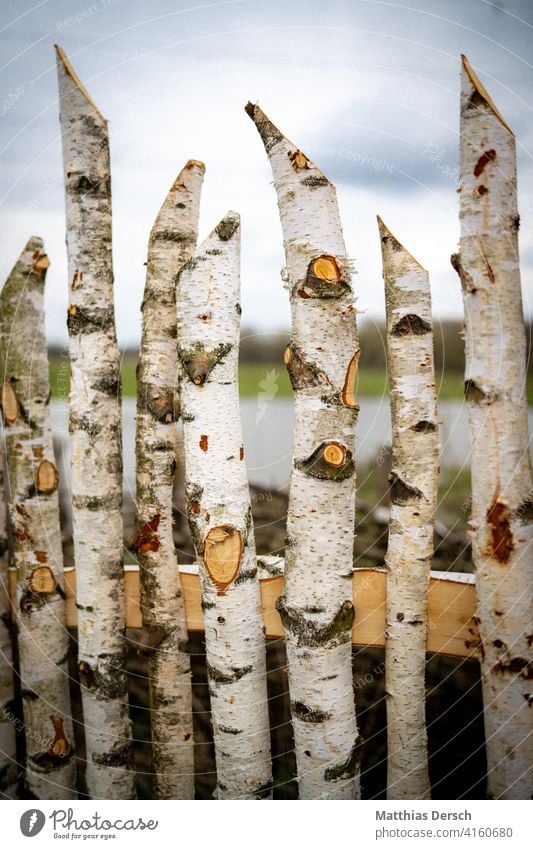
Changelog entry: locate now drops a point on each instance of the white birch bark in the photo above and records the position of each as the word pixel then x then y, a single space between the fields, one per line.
pixel 219 512
pixel 502 491
pixel 172 241
pixel 414 480
pixel 317 608
pixel 95 429
pixel 35 531
pixel 9 770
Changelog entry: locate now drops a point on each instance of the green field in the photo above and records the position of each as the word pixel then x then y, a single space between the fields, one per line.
pixel 273 380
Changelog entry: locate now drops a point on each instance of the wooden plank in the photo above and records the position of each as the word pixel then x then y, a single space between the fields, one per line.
pixel 452 628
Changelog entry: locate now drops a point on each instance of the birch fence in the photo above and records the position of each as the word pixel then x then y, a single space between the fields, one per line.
pixel 314 598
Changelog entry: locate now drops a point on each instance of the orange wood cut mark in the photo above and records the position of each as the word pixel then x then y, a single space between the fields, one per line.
pixel 335 454
pixel 195 508
pixel 10 403
pixel 298 160
pixel 323 279
pixel 326 268
pixel 222 554
pixel 40 262
pixel 484 159
pixel 348 390
pixel 60 747
pixel 501 537
pixel 46 479
pixel 147 539
pixel 42 580
pixel 38 451
pixel 241 452
pixel 204 442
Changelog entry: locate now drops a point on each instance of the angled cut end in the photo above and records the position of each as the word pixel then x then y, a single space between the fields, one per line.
pixel 64 66
pixel 389 242
pixel 270 135
pixel 481 91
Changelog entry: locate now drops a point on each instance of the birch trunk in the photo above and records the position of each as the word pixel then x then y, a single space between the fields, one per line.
pixel 34 517
pixel 317 609
pixel 172 241
pixel 414 479
pixel 9 771
pixel 219 512
pixel 495 379
pixel 95 428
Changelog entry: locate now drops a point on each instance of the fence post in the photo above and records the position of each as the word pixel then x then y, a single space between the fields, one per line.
pixel 43 640
pixel 95 427
pixel 172 241
pixel 219 512
pixel 317 609
pixel 413 492
pixel 495 380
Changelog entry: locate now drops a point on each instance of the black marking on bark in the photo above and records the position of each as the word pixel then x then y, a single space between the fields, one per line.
pixel 411 325
pixel 47 762
pixel 108 679
pixel 524 512
pixel 270 135
pixel 264 791
pixel 308 714
pixel 391 241
pixel 220 677
pixel 208 605
pixel 474 393
pixel 245 575
pixel 310 633
pixel 161 402
pixel 85 185
pixel 173 236
pixel 213 252
pixel 315 182
pixel 424 426
pixel 482 190
pixel 121 755
pixel 91 428
pixel 107 385
pixel 227 228
pixel 225 729
pixel 199 362
pixel 348 768
pixel 400 617
pixel 515 666
pixel 401 492
pixel 303 374
pixel 89 321
pixel 316 466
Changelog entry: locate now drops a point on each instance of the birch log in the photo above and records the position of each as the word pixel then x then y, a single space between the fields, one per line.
pixel 95 429
pixel 414 480
pixel 34 518
pixel 219 512
pixel 172 241
pixel 495 379
pixel 317 609
pixel 9 771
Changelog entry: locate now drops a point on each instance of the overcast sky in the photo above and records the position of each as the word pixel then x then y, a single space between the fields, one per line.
pixel 367 88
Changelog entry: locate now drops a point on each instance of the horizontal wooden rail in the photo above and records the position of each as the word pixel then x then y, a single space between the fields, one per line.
pixel 452 628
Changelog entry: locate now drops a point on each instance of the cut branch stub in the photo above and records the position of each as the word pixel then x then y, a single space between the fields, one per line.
pixel 303 373
pixel 298 160
pixel 348 390
pixel 46 479
pixel 40 262
pixel 10 403
pixel 411 324
pixel 330 461
pixel 198 363
pixel 323 279
pixel 42 580
pixel 222 554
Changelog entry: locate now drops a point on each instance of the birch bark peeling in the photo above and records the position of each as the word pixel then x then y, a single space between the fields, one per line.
pixel 502 512
pixel 95 429
pixel 316 608
pixel 414 480
pixel 9 769
pixel 172 242
pixel 35 531
pixel 220 516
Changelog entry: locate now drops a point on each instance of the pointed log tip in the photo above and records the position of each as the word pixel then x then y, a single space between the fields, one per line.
pixel 250 109
pixel 64 63
pixel 389 240
pixel 480 89
pixel 194 163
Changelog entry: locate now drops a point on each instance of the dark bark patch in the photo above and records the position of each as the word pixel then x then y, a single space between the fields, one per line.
pixel 121 755
pixel 89 321
pixel 225 729
pixel 308 714
pixel 482 190
pixel 348 768
pixel 147 539
pixel 199 362
pixel 501 541
pixel 402 493
pixel 411 325
pixel 162 403
pixel 315 182
pixel 466 280
pixel 176 236
pixel 85 185
pixel 245 575
pixel 524 512
pixel 108 679
pixel 310 633
pixel 220 677
pixel 303 373
pixel 392 242
pixel 475 393
pixel 108 385
pixel 227 228
pixel 330 461
pixel 424 426
pixel 483 161
pixel 515 666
